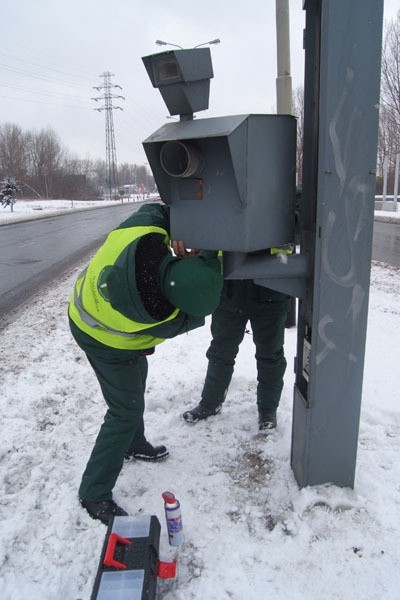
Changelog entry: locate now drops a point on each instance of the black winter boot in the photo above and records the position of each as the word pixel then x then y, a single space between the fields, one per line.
pixel 267 420
pixel 147 452
pixel 200 412
pixel 103 511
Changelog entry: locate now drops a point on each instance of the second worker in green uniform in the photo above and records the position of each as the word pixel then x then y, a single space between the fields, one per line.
pixel 242 302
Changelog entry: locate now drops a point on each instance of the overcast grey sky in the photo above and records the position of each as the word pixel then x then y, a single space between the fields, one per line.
pixel 52 53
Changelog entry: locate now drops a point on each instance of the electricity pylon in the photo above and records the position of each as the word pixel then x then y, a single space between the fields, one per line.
pixel 111 155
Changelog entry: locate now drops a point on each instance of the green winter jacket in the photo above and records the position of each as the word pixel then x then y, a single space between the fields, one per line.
pixel 117 300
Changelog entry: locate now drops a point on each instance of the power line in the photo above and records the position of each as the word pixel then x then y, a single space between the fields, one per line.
pixel 46 103
pixel 44 93
pixel 111 155
pixel 28 62
pixel 32 51
pixel 38 76
pixel 140 119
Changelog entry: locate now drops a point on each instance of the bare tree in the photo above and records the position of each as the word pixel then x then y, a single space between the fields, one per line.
pixel 99 174
pixel 388 141
pixel 389 114
pixel 13 154
pixel 76 179
pixel 390 90
pixel 46 155
pixel 126 173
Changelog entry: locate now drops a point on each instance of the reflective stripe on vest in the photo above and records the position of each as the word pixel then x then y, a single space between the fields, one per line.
pixel 88 319
pixel 94 315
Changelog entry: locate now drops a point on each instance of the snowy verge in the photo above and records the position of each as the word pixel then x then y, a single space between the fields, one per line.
pixel 250 532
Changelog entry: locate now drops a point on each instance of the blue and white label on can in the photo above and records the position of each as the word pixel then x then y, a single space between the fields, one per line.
pixel 174 526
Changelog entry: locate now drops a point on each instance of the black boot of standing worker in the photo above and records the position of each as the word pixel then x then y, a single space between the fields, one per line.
pixel 103 511
pixel 267 420
pixel 200 412
pixel 147 452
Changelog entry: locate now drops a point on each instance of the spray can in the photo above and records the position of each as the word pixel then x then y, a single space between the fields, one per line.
pixel 174 519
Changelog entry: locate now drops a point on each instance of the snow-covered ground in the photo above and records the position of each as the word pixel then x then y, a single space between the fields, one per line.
pixel 386 215
pixel 251 534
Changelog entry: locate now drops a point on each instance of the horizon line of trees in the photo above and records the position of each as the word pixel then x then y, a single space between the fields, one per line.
pixel 43 168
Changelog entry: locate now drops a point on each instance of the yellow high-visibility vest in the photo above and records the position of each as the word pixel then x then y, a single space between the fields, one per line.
pixel 89 307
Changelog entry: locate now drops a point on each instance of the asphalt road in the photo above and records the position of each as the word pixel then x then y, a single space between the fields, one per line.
pixel 32 253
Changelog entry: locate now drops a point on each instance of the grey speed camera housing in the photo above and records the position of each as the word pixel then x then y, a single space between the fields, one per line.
pixel 183 78
pixel 230 181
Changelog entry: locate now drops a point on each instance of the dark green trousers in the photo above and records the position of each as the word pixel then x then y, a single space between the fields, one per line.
pixel 122 378
pixel 266 310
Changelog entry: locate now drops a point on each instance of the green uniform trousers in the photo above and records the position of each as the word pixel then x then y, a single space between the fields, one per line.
pixel 122 377
pixel 266 310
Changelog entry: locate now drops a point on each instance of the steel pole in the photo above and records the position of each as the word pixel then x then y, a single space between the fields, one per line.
pixel 284 90
pixel 284 79
pixel 396 182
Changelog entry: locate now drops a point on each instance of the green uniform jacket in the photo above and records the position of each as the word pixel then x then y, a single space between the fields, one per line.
pixel 117 300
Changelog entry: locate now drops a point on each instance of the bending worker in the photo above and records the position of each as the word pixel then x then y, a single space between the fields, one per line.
pixel 132 296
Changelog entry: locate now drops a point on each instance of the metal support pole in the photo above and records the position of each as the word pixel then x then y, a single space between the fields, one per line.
pixel 385 178
pixel 284 79
pixel 342 80
pixel 284 91
pixel 396 182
